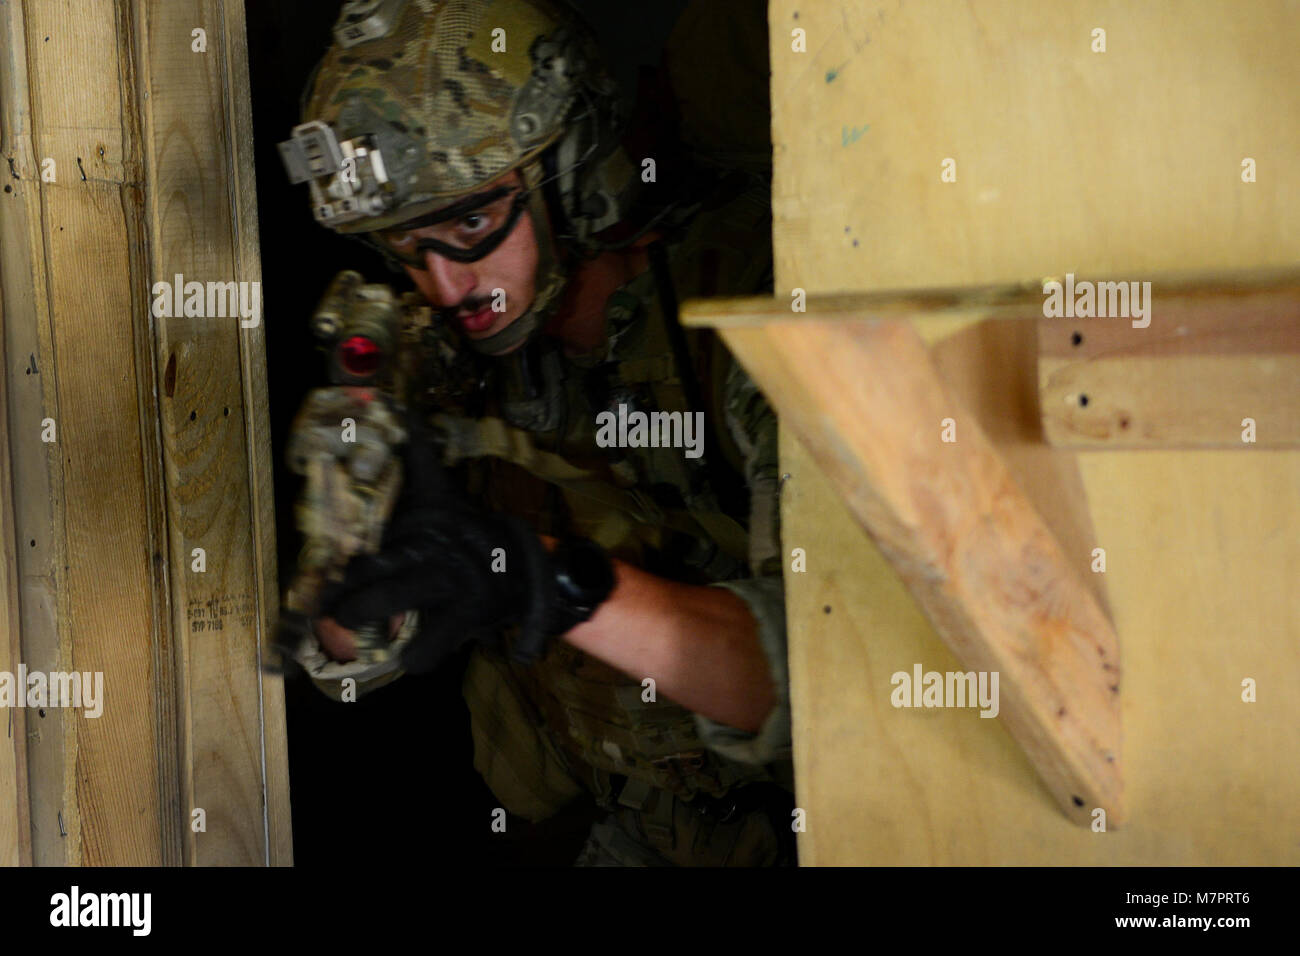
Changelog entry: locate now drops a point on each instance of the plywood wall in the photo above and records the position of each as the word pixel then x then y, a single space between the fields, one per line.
pixel 1120 163
pixel 1123 164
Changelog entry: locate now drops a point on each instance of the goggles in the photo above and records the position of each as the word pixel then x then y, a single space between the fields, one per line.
pixel 466 231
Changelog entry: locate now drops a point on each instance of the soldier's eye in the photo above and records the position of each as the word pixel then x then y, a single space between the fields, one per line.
pixel 474 221
pixel 398 240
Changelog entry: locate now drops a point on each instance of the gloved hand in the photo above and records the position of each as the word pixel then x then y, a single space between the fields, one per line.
pixel 438 557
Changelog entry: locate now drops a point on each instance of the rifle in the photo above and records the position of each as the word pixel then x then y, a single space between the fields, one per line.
pixel 385 359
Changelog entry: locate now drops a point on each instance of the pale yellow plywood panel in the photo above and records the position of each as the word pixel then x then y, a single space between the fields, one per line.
pixel 1203 566
pixel 1123 164
pixel 1200 557
pixel 1118 164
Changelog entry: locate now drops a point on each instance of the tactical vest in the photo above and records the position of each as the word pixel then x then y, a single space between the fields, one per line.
pixel 570 720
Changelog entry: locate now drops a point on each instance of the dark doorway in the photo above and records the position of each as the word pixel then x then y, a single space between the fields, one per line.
pixel 390 777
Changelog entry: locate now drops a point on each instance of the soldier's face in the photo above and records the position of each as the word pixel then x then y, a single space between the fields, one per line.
pixel 467 291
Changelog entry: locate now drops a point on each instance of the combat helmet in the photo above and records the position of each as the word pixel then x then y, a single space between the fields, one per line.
pixel 421 103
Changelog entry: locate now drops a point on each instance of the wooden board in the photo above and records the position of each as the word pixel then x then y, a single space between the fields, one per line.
pixel 15 824
pixel 202 223
pixel 965 538
pixel 21 401
pixel 274 731
pixel 1108 165
pixel 1127 167
pixel 152 146
pixel 1215 370
pixel 1225 347
pixel 94 781
pixel 1200 605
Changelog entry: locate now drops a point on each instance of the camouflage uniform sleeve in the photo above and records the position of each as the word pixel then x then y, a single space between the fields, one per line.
pixel 753 425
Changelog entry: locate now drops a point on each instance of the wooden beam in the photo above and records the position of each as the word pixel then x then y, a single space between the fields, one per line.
pixel 21 267
pixel 15 823
pixel 127 158
pixel 1218 349
pixel 1210 359
pixel 202 221
pixel 257 439
pixel 1232 294
pixel 869 404
pixel 81 499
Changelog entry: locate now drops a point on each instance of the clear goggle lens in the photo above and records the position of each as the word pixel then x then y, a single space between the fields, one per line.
pixel 465 232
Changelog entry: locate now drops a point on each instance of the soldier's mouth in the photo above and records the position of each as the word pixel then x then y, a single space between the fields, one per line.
pixel 478 321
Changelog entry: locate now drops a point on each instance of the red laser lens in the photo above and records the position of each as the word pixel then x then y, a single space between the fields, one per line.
pixel 359 356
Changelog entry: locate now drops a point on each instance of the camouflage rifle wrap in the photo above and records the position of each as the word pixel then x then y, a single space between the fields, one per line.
pixel 344 441
pixel 351 488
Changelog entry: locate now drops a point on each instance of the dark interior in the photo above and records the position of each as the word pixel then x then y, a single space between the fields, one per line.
pixel 390 776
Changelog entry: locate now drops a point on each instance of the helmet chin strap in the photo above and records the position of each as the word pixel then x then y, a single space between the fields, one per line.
pixel 549 279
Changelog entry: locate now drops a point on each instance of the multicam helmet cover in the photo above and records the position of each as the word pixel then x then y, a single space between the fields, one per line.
pixel 422 101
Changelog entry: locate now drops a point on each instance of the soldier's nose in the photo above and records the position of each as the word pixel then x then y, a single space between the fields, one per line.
pixel 448 283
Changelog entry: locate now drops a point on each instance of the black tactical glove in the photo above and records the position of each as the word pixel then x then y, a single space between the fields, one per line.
pixel 440 557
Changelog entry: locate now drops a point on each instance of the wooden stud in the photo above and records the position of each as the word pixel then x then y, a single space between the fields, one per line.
pixel 201 218
pixel 867 401
pixel 1210 359
pixel 152 148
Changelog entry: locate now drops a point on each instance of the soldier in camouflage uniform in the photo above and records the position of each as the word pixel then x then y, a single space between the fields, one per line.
pixel 634 644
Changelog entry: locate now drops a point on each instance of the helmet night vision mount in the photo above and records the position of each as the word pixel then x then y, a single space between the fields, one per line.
pixel 362 20
pixel 348 179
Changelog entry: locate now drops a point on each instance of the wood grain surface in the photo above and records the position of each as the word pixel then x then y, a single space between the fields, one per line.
pixel 1122 165
pixel 162 443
